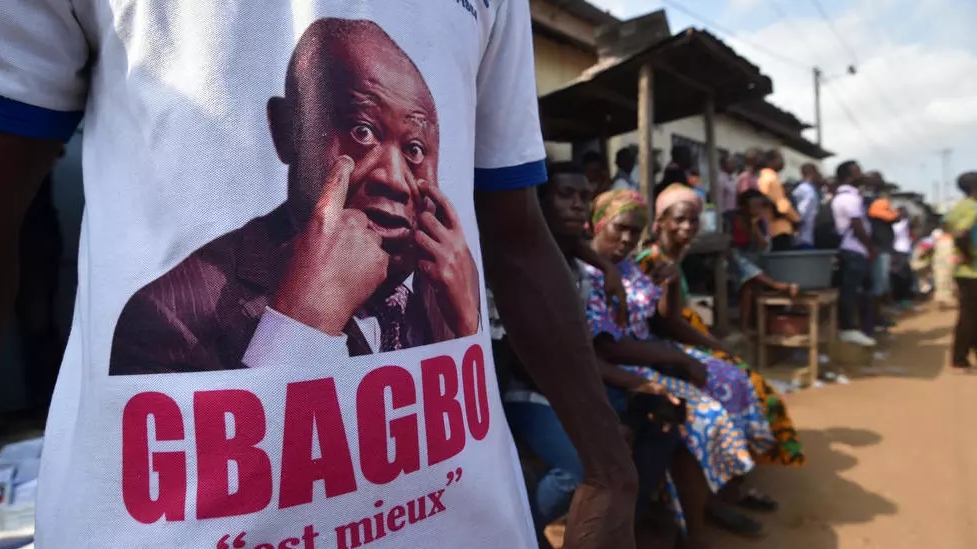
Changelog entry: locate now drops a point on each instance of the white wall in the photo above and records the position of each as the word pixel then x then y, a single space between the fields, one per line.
pixel 732 135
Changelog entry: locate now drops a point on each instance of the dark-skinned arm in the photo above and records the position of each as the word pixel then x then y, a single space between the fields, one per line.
pixel 858 229
pixel 679 329
pixel 535 295
pixel 659 355
pixel 613 285
pixel 23 164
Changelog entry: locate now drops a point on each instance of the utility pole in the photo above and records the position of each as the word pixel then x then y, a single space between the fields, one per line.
pixel 817 103
pixel 945 186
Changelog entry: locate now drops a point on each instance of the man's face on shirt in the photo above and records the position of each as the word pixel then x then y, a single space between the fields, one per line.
pixel 359 95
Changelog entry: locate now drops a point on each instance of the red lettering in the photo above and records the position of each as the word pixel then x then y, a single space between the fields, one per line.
pixel 373 425
pixel 473 378
pixel 138 465
pixel 265 546
pixel 396 514
pixel 314 405
pixel 308 537
pixel 289 543
pixel 215 451
pixel 442 443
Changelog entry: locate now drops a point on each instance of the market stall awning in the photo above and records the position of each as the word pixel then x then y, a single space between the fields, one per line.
pixel 689 67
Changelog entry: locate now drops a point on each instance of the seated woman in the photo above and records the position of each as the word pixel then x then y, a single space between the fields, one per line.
pixel 676 226
pixel 726 422
pixel 750 238
pixel 565 200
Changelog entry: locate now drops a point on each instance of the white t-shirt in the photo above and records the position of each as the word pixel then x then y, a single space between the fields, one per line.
pixel 903 242
pixel 214 393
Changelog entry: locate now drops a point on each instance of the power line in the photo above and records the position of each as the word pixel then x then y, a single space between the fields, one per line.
pixel 876 148
pixel 883 97
pixel 775 4
pixel 824 15
pixel 732 34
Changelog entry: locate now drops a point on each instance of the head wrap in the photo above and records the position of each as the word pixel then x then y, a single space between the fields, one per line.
pixel 672 195
pixel 611 204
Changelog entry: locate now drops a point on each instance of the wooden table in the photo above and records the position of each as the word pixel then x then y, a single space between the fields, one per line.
pixel 818 334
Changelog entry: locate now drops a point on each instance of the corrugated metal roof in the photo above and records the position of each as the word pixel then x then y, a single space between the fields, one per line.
pixel 690 66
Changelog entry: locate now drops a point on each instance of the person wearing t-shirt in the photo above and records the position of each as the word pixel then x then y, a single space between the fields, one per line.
pixel 961 221
pixel 808 201
pixel 782 214
pixel 752 164
pixel 902 247
pixel 181 170
pixel 625 160
pixel 855 255
pixel 882 216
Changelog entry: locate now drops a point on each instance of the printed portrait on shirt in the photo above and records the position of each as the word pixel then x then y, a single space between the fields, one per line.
pixel 366 254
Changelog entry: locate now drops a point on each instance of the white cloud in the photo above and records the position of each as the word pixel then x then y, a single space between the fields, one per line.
pixel 743 5
pixel 906 100
pixel 915 90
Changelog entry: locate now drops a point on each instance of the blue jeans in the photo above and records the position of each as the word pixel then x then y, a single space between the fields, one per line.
pixel 855 292
pixel 537 426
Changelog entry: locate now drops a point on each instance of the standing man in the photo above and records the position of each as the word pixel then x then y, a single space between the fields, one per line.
pixel 783 216
pixel 961 221
pixel 855 254
pixel 752 164
pixel 808 200
pixel 882 216
pixel 625 161
pixel 727 184
pixel 211 243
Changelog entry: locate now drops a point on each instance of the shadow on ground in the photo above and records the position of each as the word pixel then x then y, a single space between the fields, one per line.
pixel 913 350
pixel 815 499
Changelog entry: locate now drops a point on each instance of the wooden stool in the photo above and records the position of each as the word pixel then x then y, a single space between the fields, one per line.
pixel 817 334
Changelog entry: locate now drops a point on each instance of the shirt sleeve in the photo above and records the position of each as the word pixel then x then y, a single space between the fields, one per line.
pixel 509 152
pixel 43 68
pixel 963 216
pixel 282 342
pixel 806 200
pixel 881 209
pixel 600 317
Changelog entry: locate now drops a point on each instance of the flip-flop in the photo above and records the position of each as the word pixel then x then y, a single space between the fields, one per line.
pixel 758 501
pixel 733 522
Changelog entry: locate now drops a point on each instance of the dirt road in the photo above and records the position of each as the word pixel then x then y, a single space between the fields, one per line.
pixel 892 458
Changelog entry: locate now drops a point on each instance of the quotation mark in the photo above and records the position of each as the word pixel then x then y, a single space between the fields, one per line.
pixel 238 542
pixel 454 476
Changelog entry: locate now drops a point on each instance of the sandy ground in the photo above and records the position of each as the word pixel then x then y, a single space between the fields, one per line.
pixel 892 457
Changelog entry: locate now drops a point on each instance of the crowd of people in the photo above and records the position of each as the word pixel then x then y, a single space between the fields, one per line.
pixel 699 419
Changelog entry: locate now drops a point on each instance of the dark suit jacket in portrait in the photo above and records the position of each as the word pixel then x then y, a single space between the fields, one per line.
pixel 202 314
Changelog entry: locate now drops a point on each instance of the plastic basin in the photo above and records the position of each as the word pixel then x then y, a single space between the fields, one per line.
pixel 809 269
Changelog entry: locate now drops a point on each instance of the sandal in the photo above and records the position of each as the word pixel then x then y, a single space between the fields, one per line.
pixel 758 501
pixel 734 522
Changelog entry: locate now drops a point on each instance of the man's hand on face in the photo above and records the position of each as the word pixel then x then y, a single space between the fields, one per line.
pixel 337 262
pixel 447 263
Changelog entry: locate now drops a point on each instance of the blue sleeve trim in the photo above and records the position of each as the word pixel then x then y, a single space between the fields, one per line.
pixel 37 122
pixel 511 178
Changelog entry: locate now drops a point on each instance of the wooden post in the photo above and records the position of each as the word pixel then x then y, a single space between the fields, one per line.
pixel 721 297
pixel 646 129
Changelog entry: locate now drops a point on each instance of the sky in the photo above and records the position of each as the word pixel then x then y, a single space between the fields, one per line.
pixel 914 92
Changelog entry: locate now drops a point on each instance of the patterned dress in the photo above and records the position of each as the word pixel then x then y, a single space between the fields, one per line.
pixel 715 434
pixel 788 449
